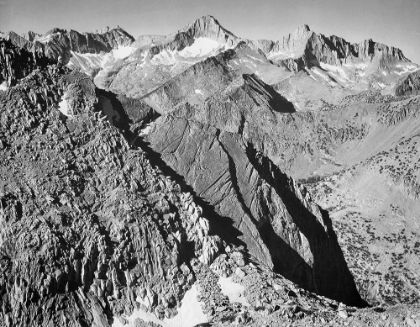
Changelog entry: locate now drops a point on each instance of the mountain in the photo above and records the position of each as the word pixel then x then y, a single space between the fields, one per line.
pixel 91 229
pixel 202 179
pixel 135 68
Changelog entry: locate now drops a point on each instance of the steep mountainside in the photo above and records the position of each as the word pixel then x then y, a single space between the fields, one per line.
pixel 261 202
pixel 337 151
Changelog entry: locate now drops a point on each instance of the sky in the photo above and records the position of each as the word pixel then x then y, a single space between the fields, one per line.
pixel 393 22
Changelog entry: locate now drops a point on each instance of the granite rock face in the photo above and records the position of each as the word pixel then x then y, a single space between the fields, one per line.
pixel 16 62
pixel 410 85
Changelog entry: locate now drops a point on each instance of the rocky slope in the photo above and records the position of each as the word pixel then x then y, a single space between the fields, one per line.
pixel 262 203
pixel 409 85
pixel 88 226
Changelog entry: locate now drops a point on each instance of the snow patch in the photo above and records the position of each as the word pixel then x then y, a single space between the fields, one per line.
pixel 232 290
pixel 122 52
pixel 198 92
pixel 202 47
pixel 64 107
pixel 164 58
pixel 332 68
pixel 258 59
pixel 88 61
pixel 45 38
pixel 405 69
pixel 189 314
pixel 3 87
pixel 382 85
pixel 362 66
pixel 146 130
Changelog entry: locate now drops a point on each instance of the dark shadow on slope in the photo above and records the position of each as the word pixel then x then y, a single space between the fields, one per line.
pixel 277 102
pixel 325 271
pixel 219 225
pixel 286 260
pixel 128 115
pixel 134 112
pixel 331 274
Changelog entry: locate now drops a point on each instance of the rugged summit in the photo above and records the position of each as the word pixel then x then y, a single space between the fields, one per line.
pixel 308 48
pixel 58 42
pixel 17 62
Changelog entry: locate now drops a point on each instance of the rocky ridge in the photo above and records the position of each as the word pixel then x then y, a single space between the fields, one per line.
pixel 307 48
pixel 86 261
pixel 60 43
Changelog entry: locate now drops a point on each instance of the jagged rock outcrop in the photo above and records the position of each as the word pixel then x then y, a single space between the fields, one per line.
pixel 89 229
pixel 17 62
pixel 410 85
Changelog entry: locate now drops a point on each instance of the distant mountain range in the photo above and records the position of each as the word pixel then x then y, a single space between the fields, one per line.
pixel 137 67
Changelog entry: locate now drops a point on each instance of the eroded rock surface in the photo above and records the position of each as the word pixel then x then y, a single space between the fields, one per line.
pixel 89 229
pixel 281 226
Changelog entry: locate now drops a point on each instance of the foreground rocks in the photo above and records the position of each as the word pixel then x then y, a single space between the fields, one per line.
pixel 89 229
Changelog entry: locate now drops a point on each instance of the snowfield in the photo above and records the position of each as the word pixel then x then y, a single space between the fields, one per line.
pixel 233 290
pixel 190 314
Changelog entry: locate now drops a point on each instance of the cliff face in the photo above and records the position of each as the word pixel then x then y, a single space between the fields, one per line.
pixel 409 85
pixel 17 62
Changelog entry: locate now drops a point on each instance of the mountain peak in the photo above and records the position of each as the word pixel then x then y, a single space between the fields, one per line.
pixel 301 32
pixel 303 28
pixel 108 29
pixel 207 19
pixel 209 27
pixel 204 24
